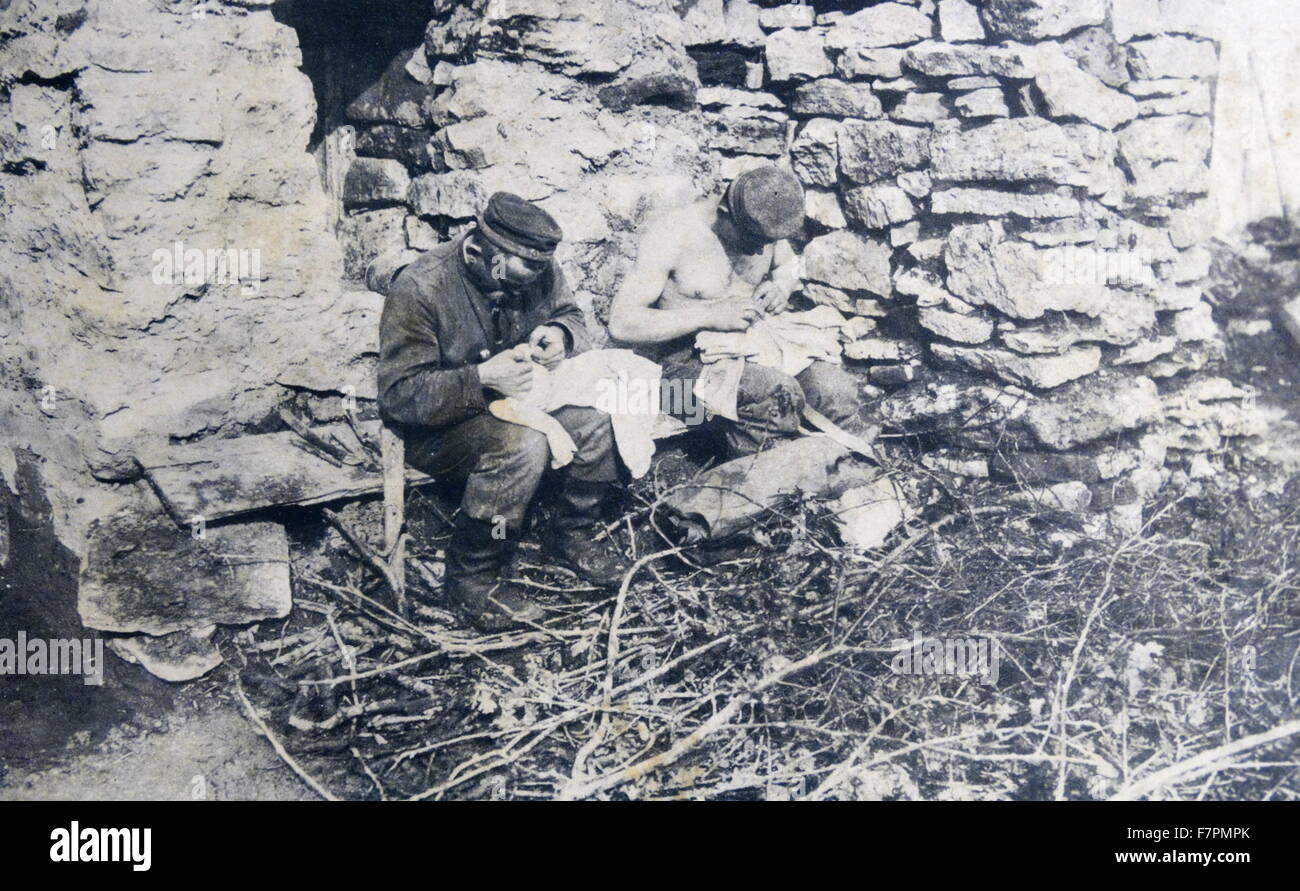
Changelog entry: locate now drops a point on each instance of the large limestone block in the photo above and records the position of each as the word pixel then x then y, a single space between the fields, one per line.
pixel 1097 407
pixel 749 130
pixel 997 203
pixel 1172 56
pixel 124 107
pixel 969 328
pixel 1039 19
pixel 1041 372
pixel 1070 92
pixel 412 146
pixel 815 153
pixel 959 20
pixel 849 261
pixel 797 54
pixel 461 194
pixel 874 150
pixel 885 24
pixel 1167 155
pixel 142 574
pixel 375 182
pixel 837 98
pixel 939 59
pixel 878 207
pixel 1017 279
pixel 789 15
pixel 588 36
pixel 1022 150
pixel 1098 52
pixel 863 62
pixel 396 98
pixel 734 22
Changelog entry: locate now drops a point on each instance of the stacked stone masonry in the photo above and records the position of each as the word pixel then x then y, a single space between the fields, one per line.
pixel 1008 197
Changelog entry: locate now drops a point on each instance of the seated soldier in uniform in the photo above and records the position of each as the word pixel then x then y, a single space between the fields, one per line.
pixel 717 266
pixel 449 339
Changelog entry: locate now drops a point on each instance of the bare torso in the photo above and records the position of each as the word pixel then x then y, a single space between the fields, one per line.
pixel 704 270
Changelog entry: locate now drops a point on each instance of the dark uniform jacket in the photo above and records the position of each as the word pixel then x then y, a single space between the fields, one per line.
pixel 437 325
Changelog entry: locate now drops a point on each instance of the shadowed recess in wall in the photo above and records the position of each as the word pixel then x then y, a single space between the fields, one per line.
pixel 346 45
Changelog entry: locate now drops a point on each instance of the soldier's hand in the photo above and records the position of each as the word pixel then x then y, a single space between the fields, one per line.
pixel 547 346
pixel 772 298
pixel 509 373
pixel 733 315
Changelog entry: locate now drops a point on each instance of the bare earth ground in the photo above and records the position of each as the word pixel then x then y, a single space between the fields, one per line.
pixel 210 752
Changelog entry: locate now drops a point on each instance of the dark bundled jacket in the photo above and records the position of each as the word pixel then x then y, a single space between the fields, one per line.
pixel 437 325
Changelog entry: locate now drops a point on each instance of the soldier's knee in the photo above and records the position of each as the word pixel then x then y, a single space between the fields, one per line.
pixel 522 449
pixel 585 422
pixel 832 390
pixel 771 396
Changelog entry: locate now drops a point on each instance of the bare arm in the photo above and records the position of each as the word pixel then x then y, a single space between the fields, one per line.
pixel 632 318
pixel 782 280
pixel 787 268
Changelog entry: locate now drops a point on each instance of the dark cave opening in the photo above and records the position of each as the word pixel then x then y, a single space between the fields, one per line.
pixel 346 46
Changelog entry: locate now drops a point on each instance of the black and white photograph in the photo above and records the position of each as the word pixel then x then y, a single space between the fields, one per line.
pixel 650 400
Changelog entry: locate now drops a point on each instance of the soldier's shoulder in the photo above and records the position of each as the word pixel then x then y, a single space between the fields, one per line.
pixel 430 267
pixel 676 227
pixel 675 218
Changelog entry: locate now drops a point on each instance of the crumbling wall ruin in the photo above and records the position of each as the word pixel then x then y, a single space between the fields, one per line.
pixel 165 262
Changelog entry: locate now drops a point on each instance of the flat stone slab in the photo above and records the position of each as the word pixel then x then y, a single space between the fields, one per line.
pixel 867 514
pixel 143 575
pixel 179 656
pixel 220 478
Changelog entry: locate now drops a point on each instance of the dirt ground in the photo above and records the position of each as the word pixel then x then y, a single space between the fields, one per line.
pixel 210 753
pixel 135 737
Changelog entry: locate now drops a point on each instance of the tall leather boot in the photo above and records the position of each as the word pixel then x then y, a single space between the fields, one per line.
pixel 572 536
pixel 475 568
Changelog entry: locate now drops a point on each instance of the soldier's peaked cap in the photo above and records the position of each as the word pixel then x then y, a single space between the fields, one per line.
pixel 520 227
pixel 768 201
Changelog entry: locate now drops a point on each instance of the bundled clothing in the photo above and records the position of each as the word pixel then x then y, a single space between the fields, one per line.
pixel 790 343
pixel 769 403
pixel 618 382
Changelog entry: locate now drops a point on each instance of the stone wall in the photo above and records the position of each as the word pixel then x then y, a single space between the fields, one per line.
pixel 127 128
pixel 1007 196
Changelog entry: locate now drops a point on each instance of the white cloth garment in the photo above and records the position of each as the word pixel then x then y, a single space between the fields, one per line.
pixel 789 342
pixel 618 382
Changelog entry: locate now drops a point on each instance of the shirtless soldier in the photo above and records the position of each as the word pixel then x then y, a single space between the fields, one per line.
pixel 716 266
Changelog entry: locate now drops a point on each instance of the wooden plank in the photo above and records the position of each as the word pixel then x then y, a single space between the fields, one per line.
pixel 4 532
pixel 393 459
pixel 219 478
